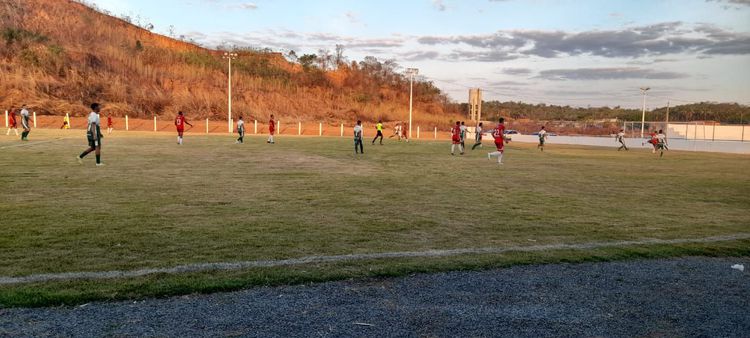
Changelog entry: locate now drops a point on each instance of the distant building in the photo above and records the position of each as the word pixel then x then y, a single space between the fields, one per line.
pixel 475 104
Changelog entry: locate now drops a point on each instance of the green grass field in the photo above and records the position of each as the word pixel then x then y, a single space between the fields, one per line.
pixel 157 204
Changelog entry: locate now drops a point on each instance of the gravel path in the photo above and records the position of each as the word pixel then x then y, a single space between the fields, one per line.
pixel 675 297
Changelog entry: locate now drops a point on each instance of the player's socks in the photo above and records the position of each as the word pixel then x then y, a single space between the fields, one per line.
pixel 98 159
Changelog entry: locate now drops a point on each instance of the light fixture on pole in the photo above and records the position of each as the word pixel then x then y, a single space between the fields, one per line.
pixel 411 72
pixel 643 114
pixel 229 56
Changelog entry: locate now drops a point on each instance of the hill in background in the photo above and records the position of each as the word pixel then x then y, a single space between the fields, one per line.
pixel 59 56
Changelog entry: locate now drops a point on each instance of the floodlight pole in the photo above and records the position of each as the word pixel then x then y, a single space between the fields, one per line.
pixel 643 114
pixel 229 56
pixel 411 72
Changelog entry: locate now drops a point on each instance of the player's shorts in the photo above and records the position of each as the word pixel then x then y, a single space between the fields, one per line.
pixel 180 131
pixel 541 141
pixel 95 142
pixel 500 146
pixel 25 124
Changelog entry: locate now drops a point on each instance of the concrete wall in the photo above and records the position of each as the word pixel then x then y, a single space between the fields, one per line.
pixel 708 132
pixel 636 143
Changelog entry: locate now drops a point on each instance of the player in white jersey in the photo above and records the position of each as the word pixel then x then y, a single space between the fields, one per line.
pixel 621 139
pixel 358 137
pixel 661 142
pixel 478 137
pixel 464 130
pixel 25 123
pixel 94 135
pixel 240 130
pixel 542 137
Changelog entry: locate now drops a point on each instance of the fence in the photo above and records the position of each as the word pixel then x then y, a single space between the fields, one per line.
pixel 207 126
pixel 697 130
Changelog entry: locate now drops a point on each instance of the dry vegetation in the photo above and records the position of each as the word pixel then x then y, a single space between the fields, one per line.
pixel 58 56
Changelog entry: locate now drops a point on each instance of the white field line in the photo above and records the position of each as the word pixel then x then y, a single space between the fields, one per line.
pixel 29 144
pixel 224 266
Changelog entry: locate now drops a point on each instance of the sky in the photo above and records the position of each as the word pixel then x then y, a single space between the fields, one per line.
pixel 566 52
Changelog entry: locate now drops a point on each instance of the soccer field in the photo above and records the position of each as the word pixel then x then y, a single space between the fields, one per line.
pixel 158 205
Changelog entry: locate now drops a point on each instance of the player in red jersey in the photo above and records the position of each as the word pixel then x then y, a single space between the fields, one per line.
pixel 109 124
pixel 12 121
pixel 499 134
pixel 653 141
pixel 456 138
pixel 180 123
pixel 271 129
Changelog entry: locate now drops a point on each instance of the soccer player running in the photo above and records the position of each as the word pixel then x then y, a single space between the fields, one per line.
pixel 94 135
pixel 379 129
pixel 661 142
pixel 180 121
pixel 478 137
pixel 12 121
pixel 499 135
pixel 396 131
pixel 621 139
pixel 358 138
pixel 25 123
pixel 240 130
pixel 463 135
pixel 456 139
pixel 109 124
pixel 542 136
pixel 271 130
pixel 653 141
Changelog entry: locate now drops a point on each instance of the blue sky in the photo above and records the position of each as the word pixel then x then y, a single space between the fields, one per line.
pixel 585 52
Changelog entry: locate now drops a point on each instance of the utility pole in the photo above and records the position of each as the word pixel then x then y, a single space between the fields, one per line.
pixel 229 56
pixel 411 72
pixel 643 115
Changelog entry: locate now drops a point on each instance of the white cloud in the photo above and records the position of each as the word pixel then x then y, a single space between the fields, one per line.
pixel 439 5
pixel 245 5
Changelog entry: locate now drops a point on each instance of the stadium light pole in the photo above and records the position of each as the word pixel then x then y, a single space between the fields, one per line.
pixel 643 114
pixel 229 56
pixel 411 72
